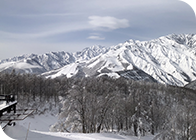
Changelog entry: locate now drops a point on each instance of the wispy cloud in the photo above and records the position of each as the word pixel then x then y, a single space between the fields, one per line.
pixel 95 37
pixel 25 24
pixel 41 33
pixel 108 22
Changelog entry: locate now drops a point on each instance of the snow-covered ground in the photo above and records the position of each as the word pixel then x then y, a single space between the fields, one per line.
pixel 39 130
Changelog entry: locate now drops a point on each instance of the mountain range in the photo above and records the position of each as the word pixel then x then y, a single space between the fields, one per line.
pixel 169 59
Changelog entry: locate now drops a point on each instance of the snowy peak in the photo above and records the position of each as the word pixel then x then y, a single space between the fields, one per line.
pixel 169 59
pixel 22 66
pixel 184 39
pixel 90 52
pixel 48 61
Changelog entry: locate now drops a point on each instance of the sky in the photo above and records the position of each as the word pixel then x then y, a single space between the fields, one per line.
pixel 40 26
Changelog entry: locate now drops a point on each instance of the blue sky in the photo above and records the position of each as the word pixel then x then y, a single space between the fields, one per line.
pixel 40 26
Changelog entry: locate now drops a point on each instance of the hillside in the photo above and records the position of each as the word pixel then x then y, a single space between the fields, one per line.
pixel 169 59
pixel 37 64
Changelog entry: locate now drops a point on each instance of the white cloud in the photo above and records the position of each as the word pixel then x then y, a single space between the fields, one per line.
pixel 96 37
pixel 45 33
pixel 108 22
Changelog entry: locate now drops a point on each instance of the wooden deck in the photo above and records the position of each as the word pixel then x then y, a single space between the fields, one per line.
pixel 9 113
pixel 8 108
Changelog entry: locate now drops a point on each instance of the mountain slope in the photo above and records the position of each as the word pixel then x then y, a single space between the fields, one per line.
pixel 191 85
pixel 38 64
pixel 169 59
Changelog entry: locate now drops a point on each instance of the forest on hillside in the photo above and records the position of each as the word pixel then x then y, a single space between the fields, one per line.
pixel 93 105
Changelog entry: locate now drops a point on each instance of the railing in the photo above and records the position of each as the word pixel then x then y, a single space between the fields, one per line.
pixel 7 108
pixel 7 98
pixel 6 117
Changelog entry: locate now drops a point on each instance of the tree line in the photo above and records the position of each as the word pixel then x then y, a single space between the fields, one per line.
pixel 99 104
pixel 92 105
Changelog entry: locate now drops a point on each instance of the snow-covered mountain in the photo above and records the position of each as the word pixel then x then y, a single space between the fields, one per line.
pixel 191 85
pixel 169 59
pixel 38 64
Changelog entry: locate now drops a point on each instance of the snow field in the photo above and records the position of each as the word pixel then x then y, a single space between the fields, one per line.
pixel 39 130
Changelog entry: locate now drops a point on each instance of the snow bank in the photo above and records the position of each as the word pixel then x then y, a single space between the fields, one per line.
pixel 39 122
pixel 39 130
pixel 19 132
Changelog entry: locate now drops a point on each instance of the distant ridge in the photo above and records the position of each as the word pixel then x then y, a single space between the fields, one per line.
pixel 37 64
pixel 169 59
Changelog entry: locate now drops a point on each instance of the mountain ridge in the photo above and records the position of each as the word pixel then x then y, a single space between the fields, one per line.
pixel 49 61
pixel 169 59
